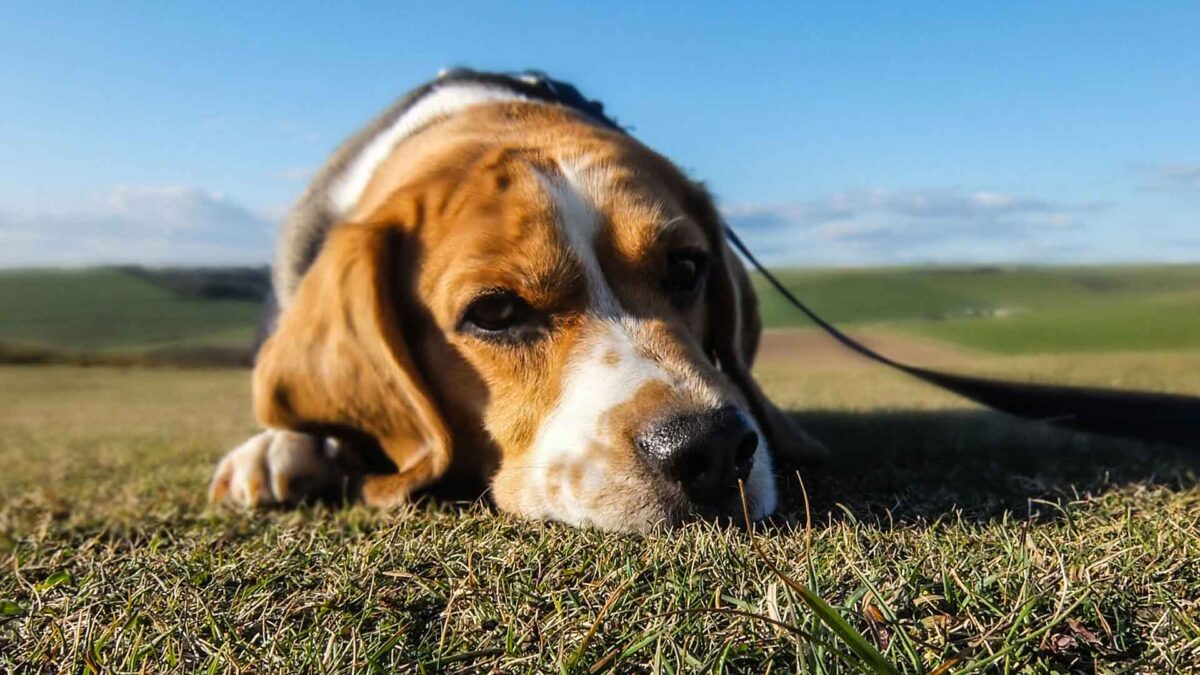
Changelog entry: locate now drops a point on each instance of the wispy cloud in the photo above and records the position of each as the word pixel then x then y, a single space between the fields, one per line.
pixel 182 225
pixel 139 224
pixel 298 174
pixel 1176 177
pixel 926 225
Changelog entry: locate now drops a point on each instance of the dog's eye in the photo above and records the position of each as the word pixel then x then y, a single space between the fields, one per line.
pixel 501 314
pixel 686 271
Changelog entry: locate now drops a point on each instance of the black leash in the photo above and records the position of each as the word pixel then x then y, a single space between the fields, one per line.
pixel 1147 416
pixel 1140 415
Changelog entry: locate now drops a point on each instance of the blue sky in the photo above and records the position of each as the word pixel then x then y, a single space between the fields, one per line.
pixel 833 133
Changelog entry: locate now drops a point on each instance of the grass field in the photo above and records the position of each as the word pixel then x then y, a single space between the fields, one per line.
pixel 1021 310
pixel 1007 310
pixel 111 310
pixel 951 538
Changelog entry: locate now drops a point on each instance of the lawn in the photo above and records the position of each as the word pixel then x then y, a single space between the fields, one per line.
pixel 112 310
pixel 1008 310
pixel 949 537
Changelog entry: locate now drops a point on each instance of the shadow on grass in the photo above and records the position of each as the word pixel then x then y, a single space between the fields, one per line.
pixel 897 468
pixel 902 467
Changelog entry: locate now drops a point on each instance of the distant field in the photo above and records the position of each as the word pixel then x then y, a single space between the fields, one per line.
pixel 1007 310
pixel 990 309
pixel 112 310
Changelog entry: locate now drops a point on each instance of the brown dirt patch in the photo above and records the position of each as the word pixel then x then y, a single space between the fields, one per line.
pixel 811 350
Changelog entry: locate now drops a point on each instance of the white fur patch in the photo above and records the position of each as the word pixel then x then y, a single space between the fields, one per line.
pixel 273 467
pixel 762 498
pixel 595 383
pixel 591 388
pixel 441 102
pixel 576 194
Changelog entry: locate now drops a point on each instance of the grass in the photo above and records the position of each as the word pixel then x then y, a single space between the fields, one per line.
pixel 1020 310
pixel 1008 310
pixel 1171 321
pixel 113 310
pixel 948 537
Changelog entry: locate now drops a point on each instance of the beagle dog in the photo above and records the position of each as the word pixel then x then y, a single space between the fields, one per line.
pixel 494 282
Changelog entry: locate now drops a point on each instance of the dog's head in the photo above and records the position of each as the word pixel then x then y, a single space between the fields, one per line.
pixel 522 295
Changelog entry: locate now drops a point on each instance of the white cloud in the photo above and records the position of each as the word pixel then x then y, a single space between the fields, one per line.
pixel 181 226
pixel 1177 177
pixel 139 224
pixel 913 226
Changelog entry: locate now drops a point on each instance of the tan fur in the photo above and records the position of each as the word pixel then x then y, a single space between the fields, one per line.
pixel 369 342
pixel 339 361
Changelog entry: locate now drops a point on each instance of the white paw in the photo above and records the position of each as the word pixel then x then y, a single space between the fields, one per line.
pixel 274 467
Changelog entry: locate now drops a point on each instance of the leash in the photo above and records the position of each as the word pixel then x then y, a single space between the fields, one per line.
pixel 1146 416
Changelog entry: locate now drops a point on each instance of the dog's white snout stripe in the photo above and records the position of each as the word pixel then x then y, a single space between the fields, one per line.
pixel 574 461
pixel 607 372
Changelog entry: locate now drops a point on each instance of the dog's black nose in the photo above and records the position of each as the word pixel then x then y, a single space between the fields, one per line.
pixel 706 453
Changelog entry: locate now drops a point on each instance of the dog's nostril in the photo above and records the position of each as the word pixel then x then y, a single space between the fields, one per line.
pixel 691 466
pixel 743 458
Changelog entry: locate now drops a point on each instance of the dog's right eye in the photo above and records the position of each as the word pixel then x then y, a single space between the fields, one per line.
pixel 501 315
pixel 686 271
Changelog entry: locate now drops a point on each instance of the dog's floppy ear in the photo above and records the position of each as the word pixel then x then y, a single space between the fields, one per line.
pixel 339 360
pixel 735 328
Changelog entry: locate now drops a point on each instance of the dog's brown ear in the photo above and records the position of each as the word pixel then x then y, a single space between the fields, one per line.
pixel 339 360
pixel 735 329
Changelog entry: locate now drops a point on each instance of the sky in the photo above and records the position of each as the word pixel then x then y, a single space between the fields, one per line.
pixel 833 134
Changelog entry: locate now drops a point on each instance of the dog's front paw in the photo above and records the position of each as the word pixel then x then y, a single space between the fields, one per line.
pixel 273 468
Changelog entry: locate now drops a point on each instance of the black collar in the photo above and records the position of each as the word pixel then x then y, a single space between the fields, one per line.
pixel 536 85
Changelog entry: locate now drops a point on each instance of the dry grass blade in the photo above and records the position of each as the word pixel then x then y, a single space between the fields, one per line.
pixel 799 632
pixel 587 638
pixel 946 666
pixel 161 584
pixel 865 651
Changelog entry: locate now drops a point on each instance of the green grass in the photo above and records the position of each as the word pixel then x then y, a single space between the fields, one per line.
pixel 1008 310
pixel 942 534
pixel 1018 310
pixel 1167 321
pixel 113 310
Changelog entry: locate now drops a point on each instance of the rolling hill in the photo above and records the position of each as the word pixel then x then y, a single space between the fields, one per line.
pixel 132 312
